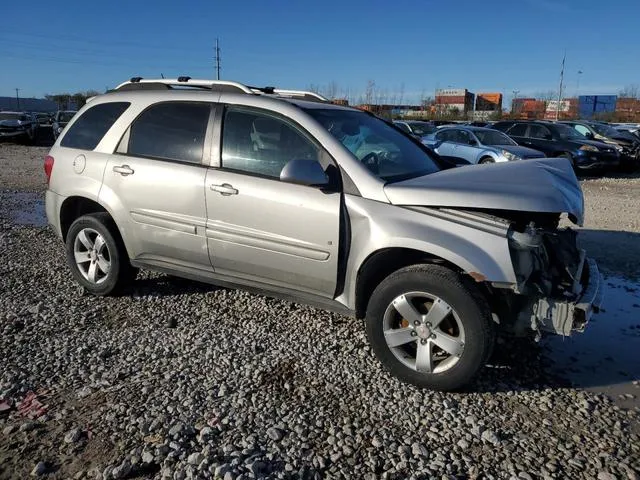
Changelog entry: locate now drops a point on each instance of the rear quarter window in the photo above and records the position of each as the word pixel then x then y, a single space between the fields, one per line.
pixel 88 130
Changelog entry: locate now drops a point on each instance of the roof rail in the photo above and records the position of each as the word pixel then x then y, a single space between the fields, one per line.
pixel 139 83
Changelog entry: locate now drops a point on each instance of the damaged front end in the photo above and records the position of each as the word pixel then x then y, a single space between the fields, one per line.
pixel 558 287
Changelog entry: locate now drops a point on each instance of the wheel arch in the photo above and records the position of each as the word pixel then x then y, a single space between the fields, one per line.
pixel 382 263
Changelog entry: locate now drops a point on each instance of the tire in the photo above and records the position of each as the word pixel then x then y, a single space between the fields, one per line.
pixel 469 335
pixel 103 269
pixel 486 160
pixel 570 158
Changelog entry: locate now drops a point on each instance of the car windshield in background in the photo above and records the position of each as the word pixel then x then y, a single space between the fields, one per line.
pixel 422 129
pixel 12 116
pixel 65 116
pixel 569 133
pixel 604 130
pixel 493 137
pixel 386 152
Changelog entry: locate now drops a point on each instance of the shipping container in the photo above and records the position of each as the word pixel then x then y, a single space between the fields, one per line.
pixel 447 100
pixel 590 105
pixel 489 101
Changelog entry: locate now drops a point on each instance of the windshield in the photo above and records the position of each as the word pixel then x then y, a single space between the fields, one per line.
pixel 421 129
pixel 493 137
pixel 569 133
pixel 65 116
pixel 386 152
pixel 12 116
pixel 604 130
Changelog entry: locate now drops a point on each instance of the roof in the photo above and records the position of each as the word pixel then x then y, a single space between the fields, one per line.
pixel 189 88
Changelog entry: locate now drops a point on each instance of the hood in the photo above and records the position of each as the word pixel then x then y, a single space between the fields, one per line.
pixel 522 152
pixel 10 123
pixel 545 185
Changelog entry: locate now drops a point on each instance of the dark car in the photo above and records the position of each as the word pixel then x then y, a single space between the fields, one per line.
pixel 44 119
pixel 559 140
pixel 60 120
pixel 18 126
pixel 417 128
pixel 626 143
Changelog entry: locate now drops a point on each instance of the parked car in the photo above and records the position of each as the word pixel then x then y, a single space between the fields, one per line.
pixel 626 143
pixel 343 212
pixel 475 145
pixel 632 128
pixel 60 120
pixel 44 119
pixel 558 140
pixel 20 126
pixel 417 128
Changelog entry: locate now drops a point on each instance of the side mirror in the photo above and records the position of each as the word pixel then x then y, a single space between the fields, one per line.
pixel 589 135
pixel 304 172
pixel 472 142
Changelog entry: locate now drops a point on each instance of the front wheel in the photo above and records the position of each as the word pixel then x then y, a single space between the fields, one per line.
pixel 429 328
pixel 97 256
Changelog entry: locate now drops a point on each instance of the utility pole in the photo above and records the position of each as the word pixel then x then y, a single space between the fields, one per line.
pixel 560 89
pixel 217 60
pixel 17 98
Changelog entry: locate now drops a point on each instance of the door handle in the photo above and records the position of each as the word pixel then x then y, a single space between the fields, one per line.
pixel 123 170
pixel 224 189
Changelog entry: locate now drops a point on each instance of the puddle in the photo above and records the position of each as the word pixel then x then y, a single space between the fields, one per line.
pixel 606 357
pixel 24 208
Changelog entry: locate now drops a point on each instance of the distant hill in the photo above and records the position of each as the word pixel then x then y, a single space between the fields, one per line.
pixel 28 104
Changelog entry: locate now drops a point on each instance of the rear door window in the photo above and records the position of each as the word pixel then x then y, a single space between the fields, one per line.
pixel 170 131
pixel 518 130
pixel 88 130
pixel 539 132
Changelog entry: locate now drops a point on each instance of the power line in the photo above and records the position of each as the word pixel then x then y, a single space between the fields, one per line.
pixel 77 61
pixel 83 40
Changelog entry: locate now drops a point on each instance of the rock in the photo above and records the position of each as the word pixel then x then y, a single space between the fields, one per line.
pixel 147 457
pixel 606 476
pixel 419 450
pixel 377 442
pixel 8 430
pixel 39 469
pixel 195 458
pixel 229 476
pixel 275 434
pixel 122 470
pixel 463 444
pixel 73 435
pixel 491 437
pixel 28 426
pixel 176 430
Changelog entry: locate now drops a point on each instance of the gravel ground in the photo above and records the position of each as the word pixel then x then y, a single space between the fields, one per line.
pixel 179 380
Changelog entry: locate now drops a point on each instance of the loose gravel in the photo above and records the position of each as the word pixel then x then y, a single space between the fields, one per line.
pixel 179 380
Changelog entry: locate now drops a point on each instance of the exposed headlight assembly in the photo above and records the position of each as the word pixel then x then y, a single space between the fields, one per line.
pixel 509 156
pixel 589 148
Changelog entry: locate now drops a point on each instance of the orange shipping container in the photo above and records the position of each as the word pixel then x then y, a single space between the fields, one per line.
pixel 491 97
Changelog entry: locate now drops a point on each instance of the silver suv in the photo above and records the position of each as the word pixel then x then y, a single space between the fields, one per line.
pixel 284 193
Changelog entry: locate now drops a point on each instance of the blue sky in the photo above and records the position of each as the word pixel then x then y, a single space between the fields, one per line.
pixel 489 45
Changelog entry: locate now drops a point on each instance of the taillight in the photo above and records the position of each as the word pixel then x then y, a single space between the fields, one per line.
pixel 48 166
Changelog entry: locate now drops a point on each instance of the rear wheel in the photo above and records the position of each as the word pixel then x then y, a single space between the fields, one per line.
pixel 96 255
pixel 429 328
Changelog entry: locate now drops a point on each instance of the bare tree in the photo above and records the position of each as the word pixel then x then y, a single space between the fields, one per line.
pixel 630 91
pixel 331 91
pixel 369 92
